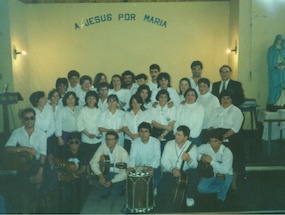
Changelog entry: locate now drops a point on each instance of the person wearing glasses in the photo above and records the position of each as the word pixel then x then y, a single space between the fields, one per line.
pixel 111 178
pixel 196 68
pixel 29 139
pixel 228 84
pixel 70 165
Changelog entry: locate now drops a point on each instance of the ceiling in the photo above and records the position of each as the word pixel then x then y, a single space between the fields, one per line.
pixel 107 1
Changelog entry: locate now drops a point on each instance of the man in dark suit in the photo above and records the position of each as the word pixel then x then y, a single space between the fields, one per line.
pixel 228 83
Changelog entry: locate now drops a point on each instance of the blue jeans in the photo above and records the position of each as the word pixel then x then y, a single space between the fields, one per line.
pixel 196 140
pixel 115 189
pixel 215 185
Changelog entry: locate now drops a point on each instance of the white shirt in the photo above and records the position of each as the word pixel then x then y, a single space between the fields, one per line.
pixel 37 141
pixel 103 105
pixel 229 118
pixel 113 121
pixel 45 120
pixel 174 97
pixel 222 161
pixel 81 96
pixel 196 86
pixel 209 102
pixel 133 121
pixel 171 156
pixel 134 88
pixel 66 120
pixel 152 86
pixel 222 84
pixel 191 115
pixel 142 154
pixel 75 89
pixel 119 155
pixel 124 95
pixel 163 115
pixel 88 119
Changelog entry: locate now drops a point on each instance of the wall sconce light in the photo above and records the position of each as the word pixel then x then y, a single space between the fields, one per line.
pixel 20 52
pixel 232 50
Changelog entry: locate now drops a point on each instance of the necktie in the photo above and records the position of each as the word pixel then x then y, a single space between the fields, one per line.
pixel 224 86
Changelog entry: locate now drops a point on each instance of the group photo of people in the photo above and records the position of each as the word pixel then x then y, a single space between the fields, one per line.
pixel 133 136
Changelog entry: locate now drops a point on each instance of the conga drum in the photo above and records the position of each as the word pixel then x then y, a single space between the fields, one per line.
pixel 140 197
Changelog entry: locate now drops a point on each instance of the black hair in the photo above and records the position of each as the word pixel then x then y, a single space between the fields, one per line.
pixel 196 63
pixel 139 100
pixel 162 92
pixel 115 76
pixel 102 85
pixel 52 92
pixel 35 97
pixel 27 110
pixel 61 81
pixel 216 133
pixel 66 95
pixel 205 81
pixel 114 133
pixel 113 96
pixel 184 129
pixel 91 93
pixel 227 66
pixel 85 78
pixel 184 79
pixel 145 125
pixel 74 135
pixel 144 87
pixel 141 76
pixel 154 66
pixel 73 73
pixel 193 90
pixel 161 76
pixel 97 79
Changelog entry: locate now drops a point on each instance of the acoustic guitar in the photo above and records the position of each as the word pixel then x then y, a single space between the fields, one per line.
pixel 181 184
pixel 105 164
pixel 66 168
pixel 22 160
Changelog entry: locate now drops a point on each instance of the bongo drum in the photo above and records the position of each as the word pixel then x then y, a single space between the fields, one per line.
pixel 140 197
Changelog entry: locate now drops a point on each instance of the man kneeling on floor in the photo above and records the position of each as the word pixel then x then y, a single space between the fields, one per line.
pixel 108 163
pixel 220 160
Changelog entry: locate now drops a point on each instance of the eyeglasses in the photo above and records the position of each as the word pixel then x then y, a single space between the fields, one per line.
pixel 108 139
pixel 26 118
pixel 196 69
pixel 74 142
pixel 225 71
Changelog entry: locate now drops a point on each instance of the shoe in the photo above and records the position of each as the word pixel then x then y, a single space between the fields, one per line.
pixel 155 191
pixel 190 202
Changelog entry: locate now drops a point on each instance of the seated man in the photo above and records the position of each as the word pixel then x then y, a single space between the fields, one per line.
pixel 34 141
pixel 111 177
pixel 71 164
pixel 179 156
pixel 145 151
pixel 221 160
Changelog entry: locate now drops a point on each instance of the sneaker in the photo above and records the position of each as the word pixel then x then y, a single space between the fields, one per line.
pixel 155 191
pixel 190 202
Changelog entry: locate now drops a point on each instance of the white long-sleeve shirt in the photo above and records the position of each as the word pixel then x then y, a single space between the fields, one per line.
pixel 37 140
pixel 174 97
pixel 89 120
pixel 191 115
pixel 228 118
pixel 171 156
pixel 113 121
pixel 66 120
pixel 210 103
pixel 124 95
pixel 163 115
pixel 119 155
pixel 133 121
pixel 142 154
pixel 45 120
pixel 222 161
